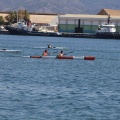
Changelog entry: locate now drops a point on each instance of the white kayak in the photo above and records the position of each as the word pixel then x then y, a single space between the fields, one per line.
pixel 6 50
pixel 59 48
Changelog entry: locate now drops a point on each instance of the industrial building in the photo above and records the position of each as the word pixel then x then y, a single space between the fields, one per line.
pixel 41 19
pixel 82 23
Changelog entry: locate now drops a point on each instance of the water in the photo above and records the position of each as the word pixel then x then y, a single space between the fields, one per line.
pixel 51 89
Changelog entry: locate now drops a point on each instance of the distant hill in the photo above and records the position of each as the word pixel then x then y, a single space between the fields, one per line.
pixel 59 6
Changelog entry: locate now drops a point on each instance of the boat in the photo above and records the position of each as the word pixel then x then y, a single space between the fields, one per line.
pixel 7 50
pixel 27 28
pixel 107 31
pixel 65 57
pixel 106 28
pixel 3 30
pixel 102 34
pixel 59 48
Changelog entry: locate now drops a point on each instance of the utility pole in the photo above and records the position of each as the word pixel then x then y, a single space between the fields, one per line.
pixel 17 16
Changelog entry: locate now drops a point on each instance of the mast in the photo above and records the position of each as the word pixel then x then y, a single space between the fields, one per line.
pixel 108 19
pixel 17 16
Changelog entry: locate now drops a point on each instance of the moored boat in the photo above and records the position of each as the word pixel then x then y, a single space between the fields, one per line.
pixel 107 31
pixel 27 28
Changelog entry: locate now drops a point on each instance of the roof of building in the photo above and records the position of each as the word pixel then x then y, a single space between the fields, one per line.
pixel 109 12
pixel 88 17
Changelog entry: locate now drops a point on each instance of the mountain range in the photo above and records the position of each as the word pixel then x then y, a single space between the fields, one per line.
pixel 59 6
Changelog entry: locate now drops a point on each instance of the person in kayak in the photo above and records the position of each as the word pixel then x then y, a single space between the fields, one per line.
pixel 49 46
pixel 60 54
pixel 45 53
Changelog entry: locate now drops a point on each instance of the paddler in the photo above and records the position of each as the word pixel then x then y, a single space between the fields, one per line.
pixel 49 46
pixel 60 54
pixel 45 53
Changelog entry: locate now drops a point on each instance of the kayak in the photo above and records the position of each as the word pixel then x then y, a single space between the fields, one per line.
pixel 66 57
pixel 5 50
pixel 78 57
pixel 59 48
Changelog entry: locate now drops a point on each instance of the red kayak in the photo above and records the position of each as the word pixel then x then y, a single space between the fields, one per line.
pixel 79 57
pixel 35 56
pixel 66 57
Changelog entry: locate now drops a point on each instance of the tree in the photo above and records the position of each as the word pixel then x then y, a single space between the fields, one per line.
pixel 23 15
pixel 12 17
pixel 1 20
pixel 26 15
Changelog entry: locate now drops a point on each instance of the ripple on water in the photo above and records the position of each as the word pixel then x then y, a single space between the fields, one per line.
pixel 52 89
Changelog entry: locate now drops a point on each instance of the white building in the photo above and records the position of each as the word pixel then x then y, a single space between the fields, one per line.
pixel 82 23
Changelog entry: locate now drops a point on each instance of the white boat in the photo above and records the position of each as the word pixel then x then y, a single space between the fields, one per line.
pixel 5 50
pixel 27 28
pixel 51 48
pixel 106 28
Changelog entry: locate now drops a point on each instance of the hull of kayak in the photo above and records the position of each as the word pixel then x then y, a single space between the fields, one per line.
pixel 35 56
pixel 4 50
pixel 66 57
pixel 57 48
pixel 78 57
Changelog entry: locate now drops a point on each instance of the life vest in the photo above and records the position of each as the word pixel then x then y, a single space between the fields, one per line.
pixel 45 54
pixel 59 55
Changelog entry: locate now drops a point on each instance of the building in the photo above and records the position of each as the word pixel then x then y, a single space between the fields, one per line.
pixel 44 19
pixel 41 19
pixel 82 23
pixel 109 12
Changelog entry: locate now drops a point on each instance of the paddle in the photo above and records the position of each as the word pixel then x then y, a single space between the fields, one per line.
pixel 52 53
pixel 68 53
pixel 63 54
pixel 3 49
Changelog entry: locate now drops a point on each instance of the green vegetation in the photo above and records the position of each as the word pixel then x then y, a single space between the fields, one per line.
pixel 11 17
pixel 1 20
pixel 14 16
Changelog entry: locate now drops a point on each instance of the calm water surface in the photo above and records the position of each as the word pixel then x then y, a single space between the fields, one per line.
pixel 51 89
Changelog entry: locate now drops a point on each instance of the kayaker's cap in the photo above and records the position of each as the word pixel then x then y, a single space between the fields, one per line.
pixel 45 50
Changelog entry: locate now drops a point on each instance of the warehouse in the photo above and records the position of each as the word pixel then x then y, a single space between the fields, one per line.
pixel 79 23
pixel 42 19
